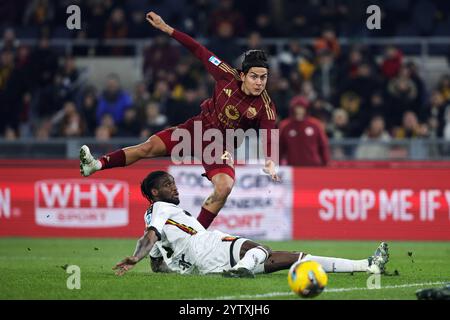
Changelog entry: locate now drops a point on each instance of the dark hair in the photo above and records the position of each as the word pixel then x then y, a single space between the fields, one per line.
pixel 151 182
pixel 254 58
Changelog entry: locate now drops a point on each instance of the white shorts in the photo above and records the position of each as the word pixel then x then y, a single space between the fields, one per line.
pixel 213 251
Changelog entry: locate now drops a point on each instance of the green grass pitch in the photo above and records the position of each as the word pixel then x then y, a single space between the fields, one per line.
pixel 34 269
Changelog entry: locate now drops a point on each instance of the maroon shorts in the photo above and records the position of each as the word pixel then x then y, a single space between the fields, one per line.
pixel 210 169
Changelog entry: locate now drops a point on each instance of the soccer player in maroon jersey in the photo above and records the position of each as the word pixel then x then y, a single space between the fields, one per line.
pixel 239 101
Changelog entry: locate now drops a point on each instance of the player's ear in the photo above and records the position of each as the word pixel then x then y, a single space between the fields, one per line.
pixel 154 193
pixel 242 75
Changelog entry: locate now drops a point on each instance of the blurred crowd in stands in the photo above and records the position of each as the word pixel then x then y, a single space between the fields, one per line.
pixel 354 93
pixel 108 19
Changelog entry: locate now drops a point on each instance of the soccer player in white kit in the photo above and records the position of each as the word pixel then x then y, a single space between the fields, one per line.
pixel 177 242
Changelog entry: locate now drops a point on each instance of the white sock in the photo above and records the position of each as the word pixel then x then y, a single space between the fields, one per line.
pixel 259 268
pixel 252 259
pixel 330 264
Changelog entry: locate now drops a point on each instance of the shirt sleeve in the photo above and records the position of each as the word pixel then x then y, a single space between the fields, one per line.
pixel 161 212
pixel 216 67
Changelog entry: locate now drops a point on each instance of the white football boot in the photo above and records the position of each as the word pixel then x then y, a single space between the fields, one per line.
pixel 378 261
pixel 88 164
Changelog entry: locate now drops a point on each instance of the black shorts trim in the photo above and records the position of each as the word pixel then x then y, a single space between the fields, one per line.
pixel 232 261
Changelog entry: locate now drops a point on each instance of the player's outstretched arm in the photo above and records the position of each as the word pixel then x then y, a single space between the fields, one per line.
pixel 143 247
pixel 213 64
pixel 157 22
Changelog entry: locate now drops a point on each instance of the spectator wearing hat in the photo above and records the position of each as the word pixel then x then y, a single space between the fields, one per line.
pixel 303 141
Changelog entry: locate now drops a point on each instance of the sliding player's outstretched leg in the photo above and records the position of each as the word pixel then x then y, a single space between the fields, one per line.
pixel 153 147
pixel 253 256
pixel 376 264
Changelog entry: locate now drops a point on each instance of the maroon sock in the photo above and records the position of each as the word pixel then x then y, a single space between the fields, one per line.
pixel 206 218
pixel 113 159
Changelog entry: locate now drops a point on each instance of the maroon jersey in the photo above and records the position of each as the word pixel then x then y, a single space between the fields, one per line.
pixel 303 143
pixel 229 107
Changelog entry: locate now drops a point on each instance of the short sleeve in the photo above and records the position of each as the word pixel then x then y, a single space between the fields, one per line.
pixel 162 211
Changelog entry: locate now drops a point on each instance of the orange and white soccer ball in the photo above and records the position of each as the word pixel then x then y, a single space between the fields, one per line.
pixel 307 278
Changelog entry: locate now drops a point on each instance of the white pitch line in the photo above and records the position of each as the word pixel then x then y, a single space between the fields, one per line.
pixel 280 294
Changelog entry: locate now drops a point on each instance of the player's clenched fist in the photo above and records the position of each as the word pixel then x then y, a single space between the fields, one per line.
pixel 157 22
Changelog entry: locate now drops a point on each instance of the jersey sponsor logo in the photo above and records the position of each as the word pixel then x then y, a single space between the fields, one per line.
pixel 251 112
pixel 214 60
pixel 226 122
pixel 228 92
pixel 232 112
pixel 77 203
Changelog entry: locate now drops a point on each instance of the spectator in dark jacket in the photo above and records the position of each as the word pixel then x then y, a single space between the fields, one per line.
pixel 114 100
pixel 303 141
pixel 403 95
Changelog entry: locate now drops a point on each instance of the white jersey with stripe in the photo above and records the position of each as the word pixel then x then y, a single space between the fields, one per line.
pixel 174 228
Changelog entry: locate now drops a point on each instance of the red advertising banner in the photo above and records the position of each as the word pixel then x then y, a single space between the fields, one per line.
pixel 51 199
pixel 382 204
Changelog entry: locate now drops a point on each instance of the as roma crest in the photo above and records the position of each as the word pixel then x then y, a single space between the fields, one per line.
pixel 251 112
